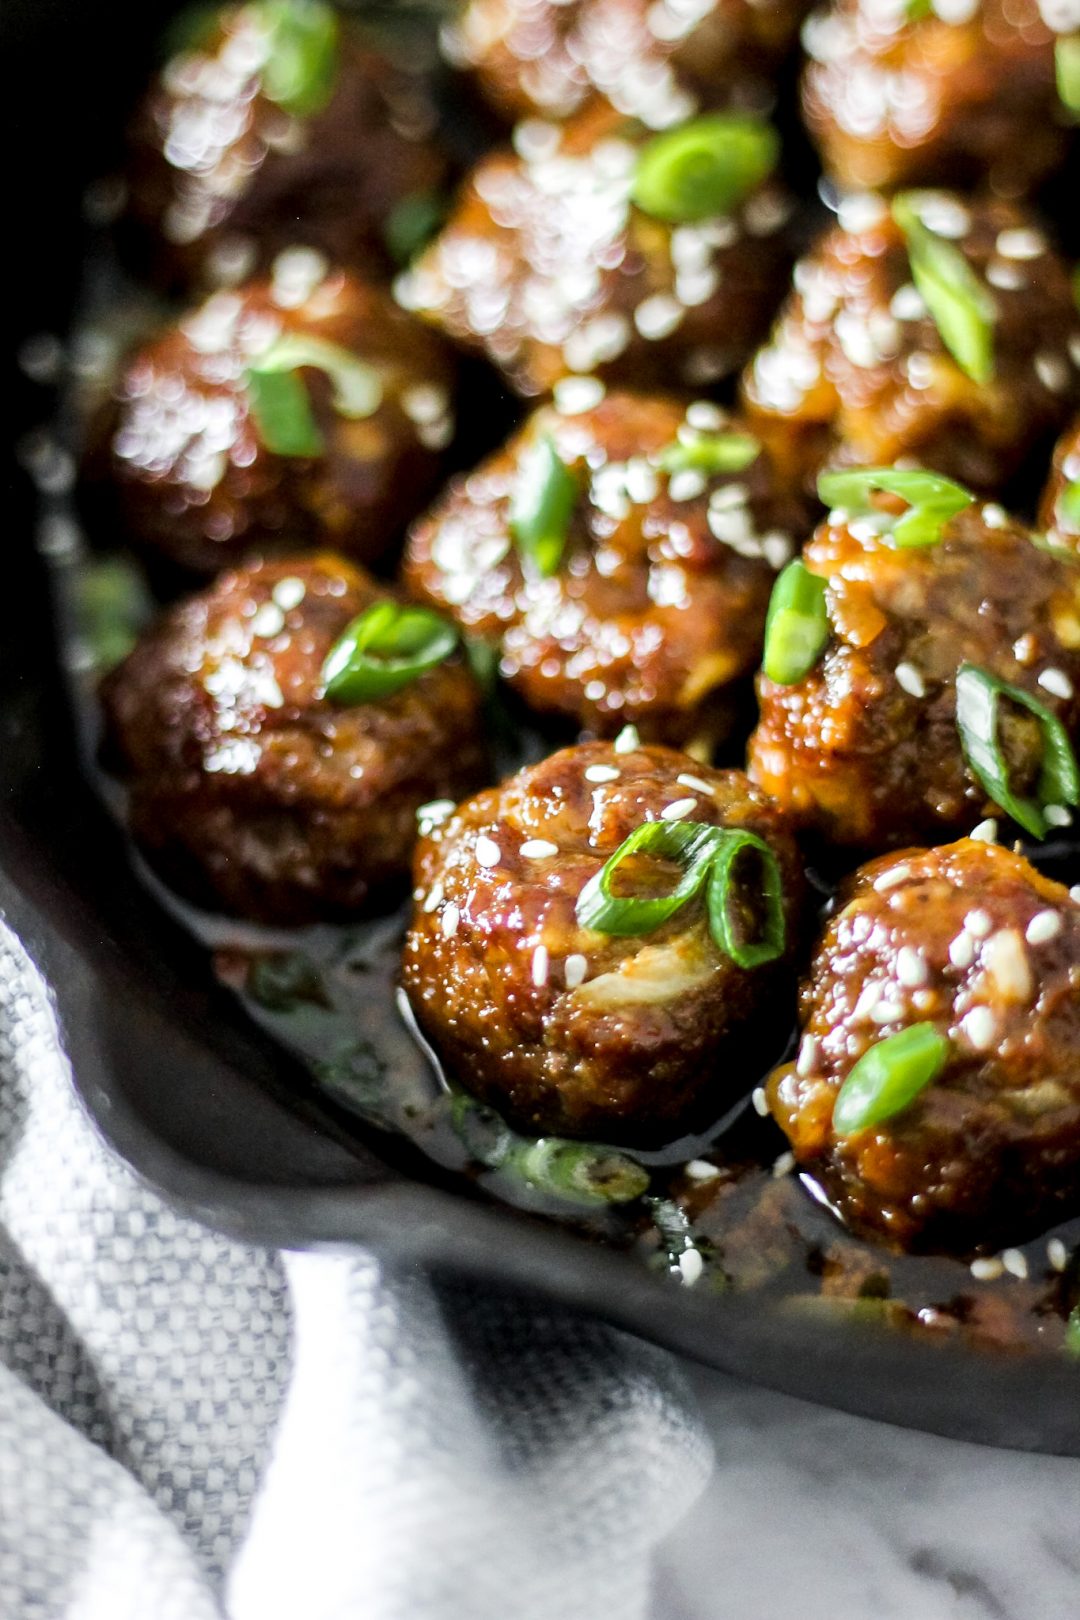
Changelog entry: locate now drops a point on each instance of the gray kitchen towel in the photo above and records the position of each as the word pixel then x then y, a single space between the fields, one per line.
pixel 191 1428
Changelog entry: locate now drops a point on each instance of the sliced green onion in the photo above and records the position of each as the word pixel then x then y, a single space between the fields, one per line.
pixel 723 895
pixel 1068 504
pixel 933 500
pixel 1067 67
pixel 962 308
pixel 383 649
pixel 688 844
pixel 541 506
pixel 797 625
pixel 704 168
pixel 710 453
pixel 302 58
pixel 916 10
pixel 888 1077
pixel 978 695
pixel 279 402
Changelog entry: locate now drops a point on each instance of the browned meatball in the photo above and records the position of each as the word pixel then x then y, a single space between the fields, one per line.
pixel 1059 511
pixel 564 1028
pixel 896 94
pixel 197 479
pixel 252 791
pixel 856 371
pixel 657 605
pixel 973 941
pixel 272 126
pixel 865 747
pixel 549 268
pixel 653 61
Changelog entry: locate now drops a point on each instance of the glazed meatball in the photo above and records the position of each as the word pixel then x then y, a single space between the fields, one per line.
pixel 197 455
pixel 563 1028
pixel 656 62
pixel 274 125
pixel 856 371
pixel 1059 512
pixel 251 791
pixel 972 941
pixel 549 267
pixel 656 607
pixel 896 94
pixel 865 746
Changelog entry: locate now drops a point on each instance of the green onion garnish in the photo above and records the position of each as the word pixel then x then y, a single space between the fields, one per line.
pixel 978 695
pixel 704 854
pixel 1068 504
pixel 727 927
pixel 710 453
pixel 704 168
pixel 302 57
pixel 932 500
pixel 916 10
pixel 888 1077
pixel 279 402
pixel 383 649
pixel 797 625
pixel 1067 68
pixel 962 309
pixel 541 506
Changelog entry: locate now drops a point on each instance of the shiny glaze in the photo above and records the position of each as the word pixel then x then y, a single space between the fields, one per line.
pixel 851 750
pixel 1059 527
pixel 547 267
pixel 855 371
pixel 658 606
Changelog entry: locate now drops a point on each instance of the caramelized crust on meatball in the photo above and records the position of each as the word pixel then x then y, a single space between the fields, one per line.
pixel 653 61
pixel 223 176
pixel 195 478
pixel 252 792
pixel 562 1028
pixel 1059 509
pixel 971 939
pixel 548 268
pixel 865 748
pixel 896 94
pixel 856 371
pixel 658 604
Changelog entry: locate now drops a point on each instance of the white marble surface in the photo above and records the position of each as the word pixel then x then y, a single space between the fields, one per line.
pixel 815 1515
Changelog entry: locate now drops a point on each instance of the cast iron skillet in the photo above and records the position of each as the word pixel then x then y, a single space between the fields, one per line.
pixel 176 1079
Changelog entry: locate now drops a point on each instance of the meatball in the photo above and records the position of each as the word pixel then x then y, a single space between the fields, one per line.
pixel 204 467
pixel 251 790
pixel 970 942
pixel 656 62
pixel 1059 511
pixel 274 125
pixel 857 372
pixel 563 1027
pixel 896 94
pixel 549 266
pixel 656 606
pixel 865 747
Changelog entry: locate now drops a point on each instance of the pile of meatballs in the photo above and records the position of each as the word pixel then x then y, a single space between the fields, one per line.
pixel 775 546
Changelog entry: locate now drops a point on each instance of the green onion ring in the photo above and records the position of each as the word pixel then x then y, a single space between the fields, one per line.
pixel 302 60
pixel 383 649
pixel 888 1077
pixel 704 168
pixel 1067 69
pixel 711 453
pixel 796 626
pixel 279 402
pixel 962 308
pixel 735 844
pixel 932 499
pixel 542 505
pixel 691 844
pixel 978 693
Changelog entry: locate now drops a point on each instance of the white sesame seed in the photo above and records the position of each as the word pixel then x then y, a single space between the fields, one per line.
pixel 540 966
pixel 1057 1254
pixel 1044 926
pixel 687 485
pixel 573 395
pixel 435 811
pixel 289 593
pixel 1024 648
pixel 1056 682
pixel 1005 274
pixel 962 951
pixel 889 879
pixel 691 1266
pixel 784 1165
pixel 434 897
pixel 869 997
pixel 538 849
pixel 995 517
pixel 911 680
pixel 693 782
pixel 488 852
pixel 860 211
pixel 980 1027
pixel 1005 960
pixel 627 740
pixel 601 773
pixel 575 970
pixel 943 215
pixel 979 923
pixel 1015 1262
pixel 987 1270
pixel 1056 815
pixel 760 1101
pixel 808 1055
pixel 701 1170
pixel 886 1011
pixel 911 967
pixel 907 303
pixel 677 810
pixel 986 832
pixel 658 316
pixel 268 621
pixel 1052 371
pixel 704 416
pixel 449 920
pixel 1020 243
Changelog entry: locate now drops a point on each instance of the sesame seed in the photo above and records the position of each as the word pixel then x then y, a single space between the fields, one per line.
pixel 573 395
pixel 1057 1254
pixel 860 211
pixel 962 951
pixel 987 1270
pixel 449 920
pixel 1005 960
pixel 979 923
pixel 1056 815
pixel 540 966
pixel 687 485
pixel 693 782
pixel 808 1055
pixel 1056 682
pixel 980 1027
pixel 1020 243
pixel 870 996
pixel 677 810
pixel 911 967
pixel 704 416
pixel 289 593
pixel 944 216
pixel 268 621
pixel 1052 371
pixel 760 1101
pixel 1014 1262
pixel 538 849
pixel 575 970
pixel 886 1011
pixel 691 1266
pixel 435 811
pixel 601 773
pixel 658 316
pixel 1006 275
pixel 907 303
pixel 488 852
pixel 784 1165
pixel 889 879
pixel 1046 925
pixel 995 517
pixel 1024 648
pixel 986 832
pixel 435 897
pixel 627 740
pixel 701 1170
pixel 911 680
